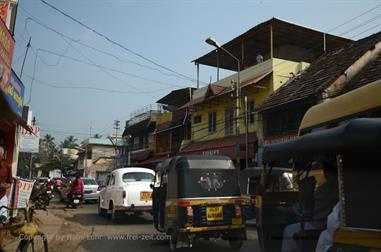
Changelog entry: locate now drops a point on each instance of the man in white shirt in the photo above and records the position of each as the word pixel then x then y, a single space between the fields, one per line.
pixel 333 223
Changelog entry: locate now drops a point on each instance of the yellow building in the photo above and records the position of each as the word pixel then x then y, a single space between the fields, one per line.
pixel 269 55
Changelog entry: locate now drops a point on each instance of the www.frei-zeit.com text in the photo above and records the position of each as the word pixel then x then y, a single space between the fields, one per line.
pixel 130 237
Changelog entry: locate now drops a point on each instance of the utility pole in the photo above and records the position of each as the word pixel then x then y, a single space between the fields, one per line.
pixel 31 154
pixel 26 53
pixel 116 127
pixel 247 133
pixel 213 42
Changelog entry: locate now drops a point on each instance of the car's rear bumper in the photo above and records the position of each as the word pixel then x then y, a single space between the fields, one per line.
pixel 134 208
pixel 91 196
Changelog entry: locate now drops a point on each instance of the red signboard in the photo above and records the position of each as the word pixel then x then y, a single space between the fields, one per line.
pixel 7 45
pixel 279 139
pixel 4 8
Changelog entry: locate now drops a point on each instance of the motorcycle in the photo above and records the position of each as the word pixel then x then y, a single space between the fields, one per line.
pixel 41 195
pixel 75 199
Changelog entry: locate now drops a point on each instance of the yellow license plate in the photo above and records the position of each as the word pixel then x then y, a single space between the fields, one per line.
pixel 214 213
pixel 145 196
pixel 236 221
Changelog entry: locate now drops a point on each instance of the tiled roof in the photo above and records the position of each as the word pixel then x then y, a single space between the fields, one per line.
pixel 321 73
pixel 214 91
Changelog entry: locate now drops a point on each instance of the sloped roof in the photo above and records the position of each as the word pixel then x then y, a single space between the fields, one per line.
pixel 257 40
pixel 321 73
pixel 214 91
pixel 177 97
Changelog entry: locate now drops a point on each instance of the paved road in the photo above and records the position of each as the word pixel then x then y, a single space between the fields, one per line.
pixel 98 233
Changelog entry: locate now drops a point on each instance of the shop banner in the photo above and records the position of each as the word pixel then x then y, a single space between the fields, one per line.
pixel 21 191
pixel 4 8
pixel 30 140
pixel 7 45
pixel 15 94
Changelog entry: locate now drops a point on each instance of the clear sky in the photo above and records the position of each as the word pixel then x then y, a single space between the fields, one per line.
pixel 82 81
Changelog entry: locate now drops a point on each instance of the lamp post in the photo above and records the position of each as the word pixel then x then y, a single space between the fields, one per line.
pixel 213 42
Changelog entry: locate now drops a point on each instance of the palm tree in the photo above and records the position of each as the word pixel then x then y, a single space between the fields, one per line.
pixel 70 142
pixel 48 145
pixel 97 135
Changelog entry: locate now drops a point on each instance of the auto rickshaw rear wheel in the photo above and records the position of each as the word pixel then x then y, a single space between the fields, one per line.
pixel 235 242
pixel 173 240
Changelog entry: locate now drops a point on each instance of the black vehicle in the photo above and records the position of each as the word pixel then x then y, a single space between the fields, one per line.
pixel 281 180
pixel 354 147
pixel 198 197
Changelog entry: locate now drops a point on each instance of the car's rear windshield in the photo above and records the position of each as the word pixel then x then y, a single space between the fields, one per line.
pixel 138 176
pixel 89 182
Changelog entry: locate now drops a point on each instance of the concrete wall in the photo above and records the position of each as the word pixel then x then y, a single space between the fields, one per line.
pixel 102 151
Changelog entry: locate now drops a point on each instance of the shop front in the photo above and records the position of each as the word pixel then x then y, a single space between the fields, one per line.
pixel 226 147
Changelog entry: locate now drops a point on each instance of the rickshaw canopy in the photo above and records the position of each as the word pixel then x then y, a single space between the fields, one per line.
pixel 357 134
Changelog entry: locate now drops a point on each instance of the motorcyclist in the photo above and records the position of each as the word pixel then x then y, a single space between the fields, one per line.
pixel 76 188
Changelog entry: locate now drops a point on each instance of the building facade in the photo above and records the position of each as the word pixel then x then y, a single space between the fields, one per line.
pixel 99 156
pixel 270 54
pixel 336 72
pixel 139 131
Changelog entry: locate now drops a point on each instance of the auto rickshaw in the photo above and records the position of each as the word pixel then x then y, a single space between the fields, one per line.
pixel 356 148
pixel 281 180
pixel 198 197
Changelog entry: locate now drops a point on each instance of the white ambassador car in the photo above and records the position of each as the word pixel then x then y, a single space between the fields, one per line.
pixel 127 190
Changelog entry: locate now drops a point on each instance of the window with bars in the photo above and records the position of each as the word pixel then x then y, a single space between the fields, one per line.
pixel 197 119
pixel 229 121
pixel 212 125
pixel 250 110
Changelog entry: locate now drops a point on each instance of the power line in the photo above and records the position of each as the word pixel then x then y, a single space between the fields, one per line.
pixel 362 24
pixel 349 30
pixel 356 17
pixel 106 72
pixel 77 41
pixel 101 66
pixel 114 42
pixel 369 29
pixel 63 132
pixel 44 83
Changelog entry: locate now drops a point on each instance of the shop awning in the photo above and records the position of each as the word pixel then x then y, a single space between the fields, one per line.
pixel 141 155
pixel 255 80
pixel 223 146
pixel 152 161
pixel 8 116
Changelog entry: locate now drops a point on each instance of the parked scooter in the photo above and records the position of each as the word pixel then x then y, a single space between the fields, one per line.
pixel 41 195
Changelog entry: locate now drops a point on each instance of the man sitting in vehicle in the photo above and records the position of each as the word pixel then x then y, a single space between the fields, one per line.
pixel 325 196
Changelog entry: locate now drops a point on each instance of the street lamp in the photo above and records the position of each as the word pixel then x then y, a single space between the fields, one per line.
pixel 213 42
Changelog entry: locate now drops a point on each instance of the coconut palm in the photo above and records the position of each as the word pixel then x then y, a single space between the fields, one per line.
pixel 69 142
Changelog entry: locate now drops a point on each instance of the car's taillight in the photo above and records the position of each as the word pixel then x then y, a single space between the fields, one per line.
pixel 49 183
pixel 98 189
pixel 124 194
pixel 237 211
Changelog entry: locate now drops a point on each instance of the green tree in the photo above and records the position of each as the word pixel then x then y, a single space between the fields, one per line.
pixel 97 135
pixel 69 142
